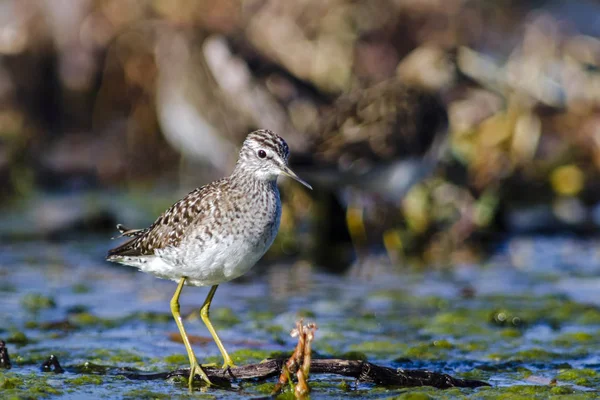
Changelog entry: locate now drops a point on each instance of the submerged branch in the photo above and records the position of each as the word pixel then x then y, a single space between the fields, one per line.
pixel 362 371
pixel 300 363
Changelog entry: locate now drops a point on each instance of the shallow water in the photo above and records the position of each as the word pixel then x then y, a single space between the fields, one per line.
pixel 528 316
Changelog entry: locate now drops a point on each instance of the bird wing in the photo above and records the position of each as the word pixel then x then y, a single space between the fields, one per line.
pixel 169 228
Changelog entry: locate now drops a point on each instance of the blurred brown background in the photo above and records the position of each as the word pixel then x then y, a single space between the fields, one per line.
pixel 110 110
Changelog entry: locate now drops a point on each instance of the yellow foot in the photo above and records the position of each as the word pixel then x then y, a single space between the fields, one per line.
pixel 209 365
pixel 228 363
pixel 196 369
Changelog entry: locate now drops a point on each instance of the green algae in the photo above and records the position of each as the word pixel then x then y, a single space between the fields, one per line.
pixel 10 381
pixel 81 288
pixel 376 347
pixel 477 374
pixel 574 339
pixel 534 354
pixel 35 302
pixel 242 356
pixel 435 350
pixel 30 386
pixel 86 319
pixel 582 377
pixel 18 338
pixel 224 317
pixel 151 317
pixel 247 356
pixel 491 338
pixel 115 356
pixel 85 380
pixel 176 359
pixel 264 388
pixel 458 322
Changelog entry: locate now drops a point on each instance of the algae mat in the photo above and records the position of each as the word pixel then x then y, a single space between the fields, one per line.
pixel 527 322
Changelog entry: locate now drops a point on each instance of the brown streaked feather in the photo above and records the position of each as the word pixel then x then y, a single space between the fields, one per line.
pixel 128 232
pixel 169 228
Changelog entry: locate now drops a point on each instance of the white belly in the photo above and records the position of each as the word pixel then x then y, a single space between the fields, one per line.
pixel 211 266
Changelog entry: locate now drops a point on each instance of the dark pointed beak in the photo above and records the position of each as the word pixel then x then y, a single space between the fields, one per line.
pixel 288 172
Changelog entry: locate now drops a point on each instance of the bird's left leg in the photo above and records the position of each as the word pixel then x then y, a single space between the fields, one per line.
pixel 204 314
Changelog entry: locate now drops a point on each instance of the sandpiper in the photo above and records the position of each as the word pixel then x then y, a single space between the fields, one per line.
pixel 216 233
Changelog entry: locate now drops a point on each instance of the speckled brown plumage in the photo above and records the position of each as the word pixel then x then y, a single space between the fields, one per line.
pixel 170 227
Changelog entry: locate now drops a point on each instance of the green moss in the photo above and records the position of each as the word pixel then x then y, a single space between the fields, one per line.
pixel 477 374
pixel 18 337
pixel 152 317
pixel 573 339
pixel 265 388
pixel 35 302
pixel 123 356
pixel 457 322
pixel 31 386
pixel 275 329
pixel 429 350
pixel 224 317
pixel 376 347
pixel 443 344
pixel 535 354
pixel 86 319
pixel 261 316
pixel 176 359
pixel 116 356
pixel 306 314
pixel 561 390
pixel 582 377
pixel 80 288
pixel 344 386
pixel 10 381
pixel 473 345
pixel 247 356
pixel 85 380
pixel 511 333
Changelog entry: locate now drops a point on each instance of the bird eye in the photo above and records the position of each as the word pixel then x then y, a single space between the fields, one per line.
pixel 262 154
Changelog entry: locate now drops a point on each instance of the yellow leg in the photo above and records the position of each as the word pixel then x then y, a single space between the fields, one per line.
pixel 204 312
pixel 195 368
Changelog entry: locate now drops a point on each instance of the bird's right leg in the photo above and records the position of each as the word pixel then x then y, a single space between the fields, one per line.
pixel 195 368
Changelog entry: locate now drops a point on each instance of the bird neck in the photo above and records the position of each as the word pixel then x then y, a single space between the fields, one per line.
pixel 249 179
